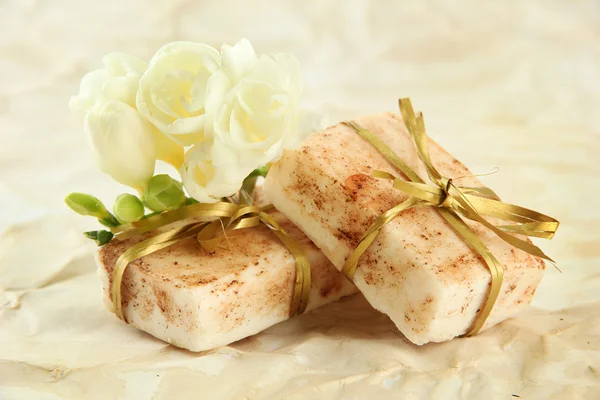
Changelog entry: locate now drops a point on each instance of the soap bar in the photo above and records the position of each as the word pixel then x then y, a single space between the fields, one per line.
pixel 418 271
pixel 199 301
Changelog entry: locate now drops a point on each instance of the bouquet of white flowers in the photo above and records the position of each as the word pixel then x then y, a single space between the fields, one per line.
pixel 218 117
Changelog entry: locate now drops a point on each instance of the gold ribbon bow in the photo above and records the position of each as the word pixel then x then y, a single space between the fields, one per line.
pixel 210 223
pixel 453 202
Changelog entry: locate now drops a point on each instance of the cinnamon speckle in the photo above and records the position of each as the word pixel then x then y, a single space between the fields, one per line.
pixel 164 303
pixel 511 287
pixel 348 187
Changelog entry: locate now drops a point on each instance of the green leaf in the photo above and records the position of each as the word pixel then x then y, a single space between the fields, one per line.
pixel 104 237
pixel 260 171
pixel 100 237
pixel 91 235
pixel 249 184
pixel 152 214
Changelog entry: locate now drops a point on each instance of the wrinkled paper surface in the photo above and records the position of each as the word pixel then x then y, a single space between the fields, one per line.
pixel 521 75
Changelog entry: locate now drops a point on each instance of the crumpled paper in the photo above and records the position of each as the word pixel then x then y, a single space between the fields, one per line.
pixel 58 342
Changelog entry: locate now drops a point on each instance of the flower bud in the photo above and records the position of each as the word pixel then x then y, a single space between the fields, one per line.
pixel 85 204
pixel 163 193
pixel 128 208
pixel 122 143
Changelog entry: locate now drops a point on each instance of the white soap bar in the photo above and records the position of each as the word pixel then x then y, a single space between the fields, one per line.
pixel 419 271
pixel 199 301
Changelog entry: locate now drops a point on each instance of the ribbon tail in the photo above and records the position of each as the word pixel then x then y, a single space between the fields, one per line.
pixel 480 191
pixel 496 271
pixel 469 212
pixel 303 274
pixel 511 212
pixel 533 229
pixel 416 126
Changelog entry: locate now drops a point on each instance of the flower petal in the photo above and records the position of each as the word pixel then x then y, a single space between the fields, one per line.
pixel 238 59
pixel 122 143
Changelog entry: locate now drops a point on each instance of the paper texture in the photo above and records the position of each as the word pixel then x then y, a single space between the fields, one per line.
pixel 527 72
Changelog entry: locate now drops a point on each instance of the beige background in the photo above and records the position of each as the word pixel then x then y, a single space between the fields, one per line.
pixel 512 84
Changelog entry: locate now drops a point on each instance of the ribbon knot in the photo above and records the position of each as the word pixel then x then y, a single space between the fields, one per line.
pixel 447 199
pixel 455 204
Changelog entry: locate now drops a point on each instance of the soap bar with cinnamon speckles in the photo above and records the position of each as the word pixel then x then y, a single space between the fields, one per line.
pixel 418 271
pixel 199 301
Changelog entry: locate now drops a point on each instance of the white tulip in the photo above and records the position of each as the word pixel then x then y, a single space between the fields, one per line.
pixel 172 91
pixel 205 182
pixel 118 80
pixel 253 106
pixel 122 142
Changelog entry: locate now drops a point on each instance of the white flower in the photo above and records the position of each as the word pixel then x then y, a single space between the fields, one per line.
pixel 166 149
pixel 172 91
pixel 122 142
pixel 206 182
pixel 253 106
pixel 236 110
pixel 251 113
pixel 118 80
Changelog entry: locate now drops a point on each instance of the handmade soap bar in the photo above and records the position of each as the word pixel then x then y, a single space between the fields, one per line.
pixel 418 271
pixel 199 301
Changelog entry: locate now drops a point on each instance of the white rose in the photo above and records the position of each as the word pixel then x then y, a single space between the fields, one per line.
pixel 207 182
pixel 118 80
pixel 172 91
pixel 253 106
pixel 122 142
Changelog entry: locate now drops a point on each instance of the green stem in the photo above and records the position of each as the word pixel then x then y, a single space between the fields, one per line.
pixel 109 220
pixel 249 184
pixel 152 214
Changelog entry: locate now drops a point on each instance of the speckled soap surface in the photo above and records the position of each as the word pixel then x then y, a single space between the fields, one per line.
pixel 512 84
pixel 199 301
pixel 418 271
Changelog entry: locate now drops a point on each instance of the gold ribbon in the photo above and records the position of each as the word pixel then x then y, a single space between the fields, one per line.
pixel 453 202
pixel 210 223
